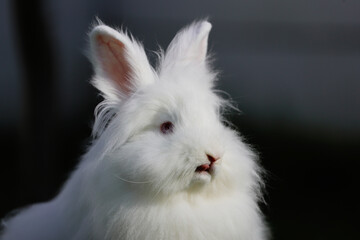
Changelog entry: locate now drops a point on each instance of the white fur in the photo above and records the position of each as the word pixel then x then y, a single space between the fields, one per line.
pixel 138 183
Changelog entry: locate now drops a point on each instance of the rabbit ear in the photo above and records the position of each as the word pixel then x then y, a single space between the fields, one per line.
pixel 189 46
pixel 121 65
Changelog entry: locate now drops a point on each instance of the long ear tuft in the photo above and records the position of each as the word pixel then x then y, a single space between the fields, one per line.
pixel 189 46
pixel 121 65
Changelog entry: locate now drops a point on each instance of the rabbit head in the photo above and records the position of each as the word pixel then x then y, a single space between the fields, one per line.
pixel 160 130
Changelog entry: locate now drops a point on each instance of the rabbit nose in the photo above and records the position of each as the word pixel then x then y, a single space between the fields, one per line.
pixel 212 158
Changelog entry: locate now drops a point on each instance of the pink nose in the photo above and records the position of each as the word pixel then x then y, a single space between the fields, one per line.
pixel 211 158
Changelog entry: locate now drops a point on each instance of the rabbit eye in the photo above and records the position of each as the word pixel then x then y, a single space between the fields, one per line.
pixel 167 127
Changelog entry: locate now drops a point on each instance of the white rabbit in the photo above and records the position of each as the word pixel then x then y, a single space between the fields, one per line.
pixel 162 164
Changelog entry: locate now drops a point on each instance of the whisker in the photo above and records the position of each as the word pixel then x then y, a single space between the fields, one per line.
pixel 129 181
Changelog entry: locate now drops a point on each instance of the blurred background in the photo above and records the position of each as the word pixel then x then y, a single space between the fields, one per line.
pixel 293 67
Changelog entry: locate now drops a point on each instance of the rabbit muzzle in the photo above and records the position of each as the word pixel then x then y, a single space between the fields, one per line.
pixel 207 167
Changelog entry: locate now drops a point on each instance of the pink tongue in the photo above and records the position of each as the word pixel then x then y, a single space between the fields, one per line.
pixel 202 168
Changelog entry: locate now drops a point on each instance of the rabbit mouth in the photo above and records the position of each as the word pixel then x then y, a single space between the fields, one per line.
pixel 204 168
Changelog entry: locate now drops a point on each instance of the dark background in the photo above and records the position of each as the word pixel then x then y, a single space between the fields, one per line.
pixel 293 67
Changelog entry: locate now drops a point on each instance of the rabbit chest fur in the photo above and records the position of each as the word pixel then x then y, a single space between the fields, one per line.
pixel 162 164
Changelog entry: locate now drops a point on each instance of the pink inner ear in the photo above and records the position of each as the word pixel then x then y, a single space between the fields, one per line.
pixel 111 53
